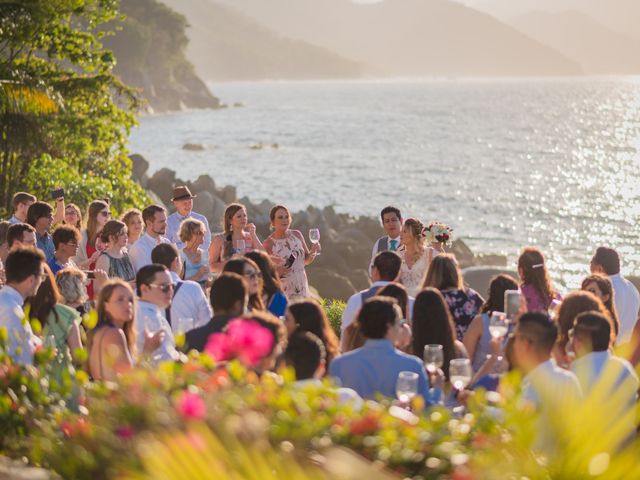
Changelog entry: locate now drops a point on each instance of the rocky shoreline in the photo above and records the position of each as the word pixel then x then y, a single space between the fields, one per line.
pixel 341 270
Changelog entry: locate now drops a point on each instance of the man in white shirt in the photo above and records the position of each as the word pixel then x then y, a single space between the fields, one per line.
pixel 550 390
pixel 189 304
pixel 155 290
pixel 606 261
pixel 183 201
pixel 24 269
pixel 21 202
pixel 391 219
pixel 385 270
pixel 155 221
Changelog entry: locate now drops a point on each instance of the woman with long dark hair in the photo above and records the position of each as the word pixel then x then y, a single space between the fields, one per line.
pixel 477 340
pixel 536 284
pixel 251 273
pixel 115 258
pixel 99 213
pixel 59 323
pixel 236 230
pixel 309 316
pixel 272 294
pixel 602 288
pixel 433 324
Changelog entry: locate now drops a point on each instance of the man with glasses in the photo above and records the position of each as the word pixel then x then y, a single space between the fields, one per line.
pixel 65 240
pixel 24 268
pixel 21 235
pixel 40 217
pixel 155 291
pixel 183 201
pixel 155 221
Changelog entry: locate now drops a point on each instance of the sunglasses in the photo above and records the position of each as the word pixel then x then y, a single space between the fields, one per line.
pixel 105 213
pixel 253 275
pixel 164 288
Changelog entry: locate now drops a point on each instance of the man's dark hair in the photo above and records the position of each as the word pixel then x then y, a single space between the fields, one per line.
pixel 305 351
pixel 22 263
pixel 21 197
pixel 377 316
pixel 608 259
pixel 146 275
pixel 65 234
pixel 16 232
pixel 388 264
pixel 149 213
pixel 390 209
pixel 594 328
pixel 38 210
pixel 164 254
pixel 226 291
pixel 538 329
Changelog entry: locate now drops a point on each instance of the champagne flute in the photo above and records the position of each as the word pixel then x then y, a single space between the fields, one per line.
pixel 406 386
pixel 459 372
pixel 433 357
pixel 240 246
pixel 314 236
pixel 182 326
pixel 498 324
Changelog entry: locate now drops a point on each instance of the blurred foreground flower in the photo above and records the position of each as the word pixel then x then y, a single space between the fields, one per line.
pixel 245 340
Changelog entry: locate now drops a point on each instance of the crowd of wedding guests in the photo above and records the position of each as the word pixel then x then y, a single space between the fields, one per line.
pixel 153 277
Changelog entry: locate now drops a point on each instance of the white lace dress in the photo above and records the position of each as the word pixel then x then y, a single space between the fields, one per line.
pixel 412 277
pixel 294 279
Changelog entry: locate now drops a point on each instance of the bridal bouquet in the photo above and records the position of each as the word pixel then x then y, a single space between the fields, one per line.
pixel 440 233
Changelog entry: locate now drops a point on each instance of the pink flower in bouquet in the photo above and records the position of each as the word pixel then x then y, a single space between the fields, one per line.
pixel 125 432
pixel 245 340
pixel 191 406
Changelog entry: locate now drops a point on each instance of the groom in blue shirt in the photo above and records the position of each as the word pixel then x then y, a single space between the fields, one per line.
pixel 374 368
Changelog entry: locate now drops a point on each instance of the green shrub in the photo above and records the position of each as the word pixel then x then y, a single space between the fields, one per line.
pixel 334 309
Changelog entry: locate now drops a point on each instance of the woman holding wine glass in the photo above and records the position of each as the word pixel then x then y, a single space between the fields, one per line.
pixel 477 339
pixel 290 248
pixel 239 237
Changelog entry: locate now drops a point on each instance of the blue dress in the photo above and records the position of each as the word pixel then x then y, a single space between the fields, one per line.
pixel 277 304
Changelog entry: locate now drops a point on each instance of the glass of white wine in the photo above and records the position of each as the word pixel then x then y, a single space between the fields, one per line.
pixel 314 236
pixel 240 246
pixel 498 324
pixel 433 357
pixel 459 373
pixel 406 387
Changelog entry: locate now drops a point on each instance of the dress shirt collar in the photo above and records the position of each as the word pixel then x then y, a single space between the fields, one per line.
pixel 591 358
pixel 175 278
pixel 148 306
pixel 379 343
pixel 379 283
pixel 543 367
pixel 150 240
pixel 13 294
pixel 615 277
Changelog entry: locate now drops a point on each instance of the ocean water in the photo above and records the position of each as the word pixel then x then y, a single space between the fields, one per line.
pixel 508 163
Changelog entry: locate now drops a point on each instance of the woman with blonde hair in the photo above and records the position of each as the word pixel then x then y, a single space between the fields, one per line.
pixel 536 285
pixel 73 216
pixel 237 231
pixel 416 255
pixel 196 267
pixel 133 220
pixel 464 302
pixel 114 259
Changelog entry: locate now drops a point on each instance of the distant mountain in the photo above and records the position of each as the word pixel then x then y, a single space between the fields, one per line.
pixel 410 37
pixel 622 16
pixel 150 52
pixel 227 45
pixel 597 48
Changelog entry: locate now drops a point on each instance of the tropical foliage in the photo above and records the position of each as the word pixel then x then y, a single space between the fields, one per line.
pixel 63 115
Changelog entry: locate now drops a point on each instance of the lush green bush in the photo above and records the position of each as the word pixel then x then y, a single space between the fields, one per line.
pixel 334 309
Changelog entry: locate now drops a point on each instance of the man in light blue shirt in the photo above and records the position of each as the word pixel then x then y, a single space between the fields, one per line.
pixel 183 201
pixel 24 268
pixel 374 368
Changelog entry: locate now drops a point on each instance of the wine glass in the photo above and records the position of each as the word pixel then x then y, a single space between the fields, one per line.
pixel 406 386
pixel 498 324
pixel 433 357
pixel 314 236
pixel 182 326
pixel 459 372
pixel 240 246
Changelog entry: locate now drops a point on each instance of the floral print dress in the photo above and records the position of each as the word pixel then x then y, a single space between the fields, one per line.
pixel 464 306
pixel 294 279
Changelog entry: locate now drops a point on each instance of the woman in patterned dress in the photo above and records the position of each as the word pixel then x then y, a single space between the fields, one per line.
pixel 290 253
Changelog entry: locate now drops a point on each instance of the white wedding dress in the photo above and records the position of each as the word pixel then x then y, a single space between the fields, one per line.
pixel 413 277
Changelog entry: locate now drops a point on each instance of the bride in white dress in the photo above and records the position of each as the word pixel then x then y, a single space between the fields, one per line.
pixel 416 255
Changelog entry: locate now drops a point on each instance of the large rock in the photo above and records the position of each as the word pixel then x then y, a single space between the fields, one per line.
pixel 330 284
pixel 162 183
pixel 204 183
pixel 139 168
pixel 634 280
pixel 463 253
pixel 480 277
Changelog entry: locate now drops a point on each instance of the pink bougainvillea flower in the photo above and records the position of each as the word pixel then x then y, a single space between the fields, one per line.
pixel 191 406
pixel 125 432
pixel 245 340
pixel 219 347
